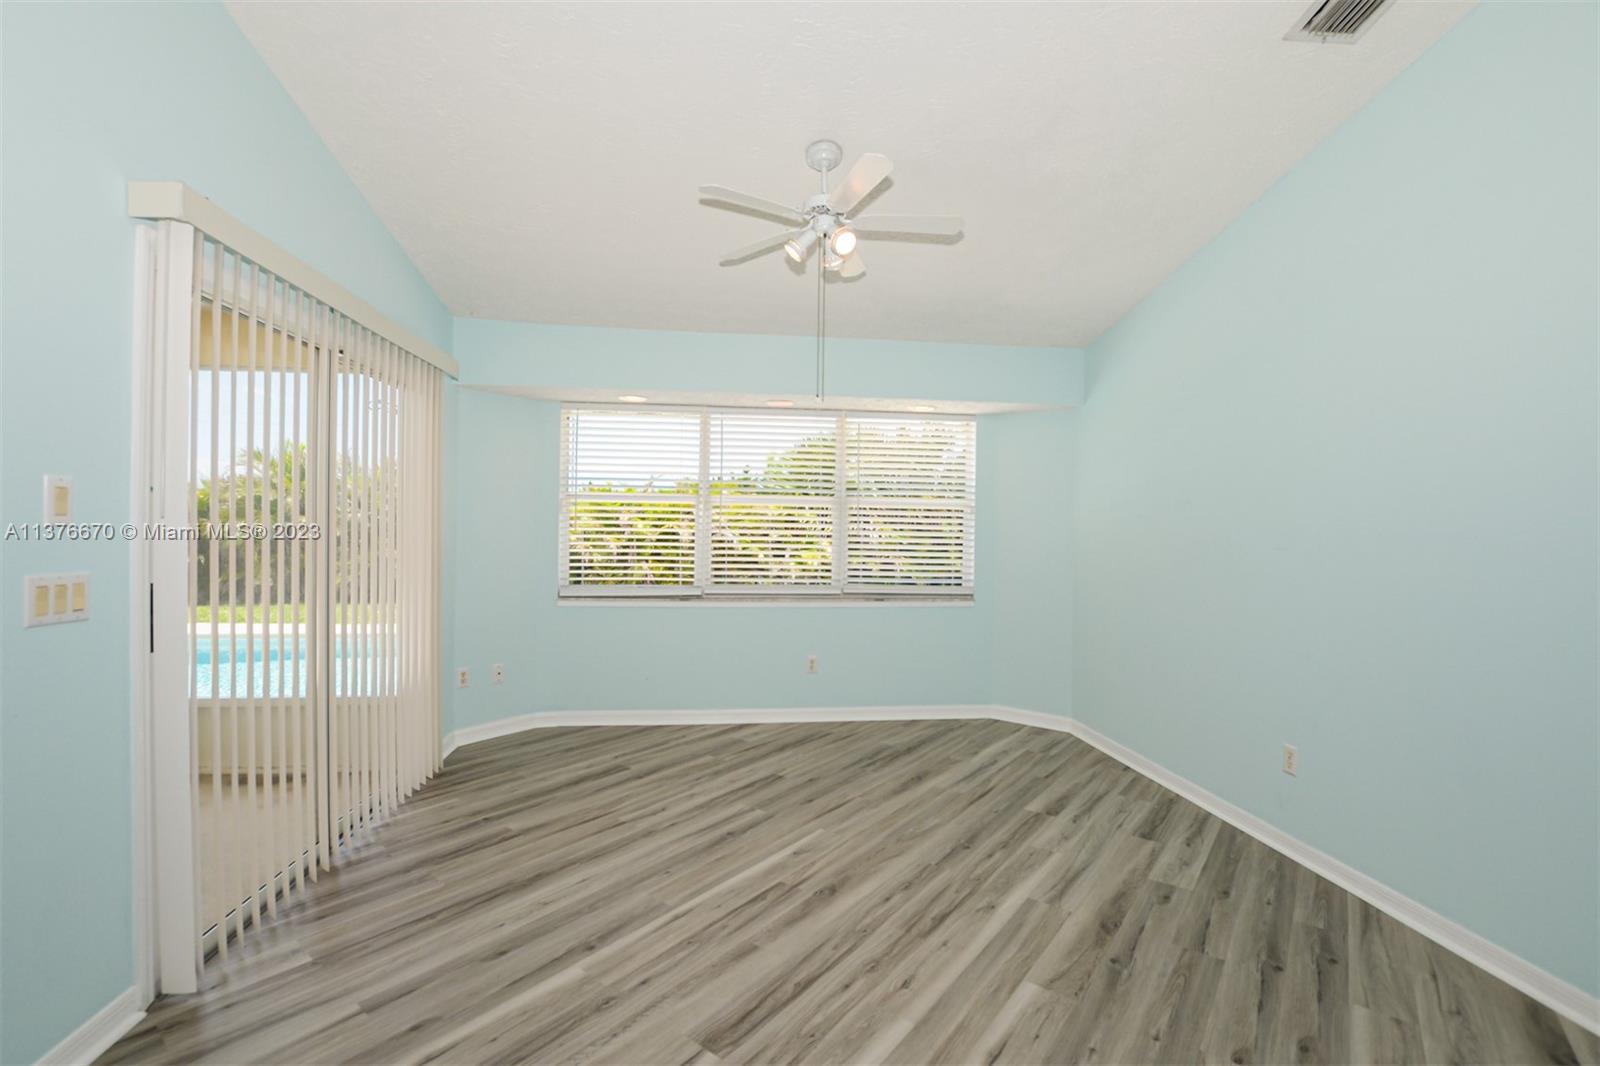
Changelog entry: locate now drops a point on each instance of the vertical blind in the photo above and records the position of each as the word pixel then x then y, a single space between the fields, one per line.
pixel 688 502
pixel 313 584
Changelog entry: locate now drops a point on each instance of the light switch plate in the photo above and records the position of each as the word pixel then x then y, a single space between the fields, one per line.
pixel 51 599
pixel 57 499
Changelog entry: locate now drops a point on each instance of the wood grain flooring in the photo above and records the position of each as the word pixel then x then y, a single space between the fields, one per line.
pixel 913 892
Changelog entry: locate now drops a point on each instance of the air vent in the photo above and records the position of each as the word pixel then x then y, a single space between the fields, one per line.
pixel 1337 20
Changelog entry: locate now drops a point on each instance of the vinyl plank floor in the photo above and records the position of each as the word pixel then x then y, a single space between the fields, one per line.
pixel 873 892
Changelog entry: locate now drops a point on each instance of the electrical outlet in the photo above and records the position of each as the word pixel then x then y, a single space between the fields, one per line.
pixel 1291 760
pixel 461 677
pixel 499 673
pixel 811 664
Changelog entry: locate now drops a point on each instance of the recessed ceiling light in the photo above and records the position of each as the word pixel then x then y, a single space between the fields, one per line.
pixel 630 398
pixel 780 403
pixel 924 409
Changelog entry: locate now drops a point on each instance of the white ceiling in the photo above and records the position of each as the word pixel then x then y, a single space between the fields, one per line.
pixel 539 162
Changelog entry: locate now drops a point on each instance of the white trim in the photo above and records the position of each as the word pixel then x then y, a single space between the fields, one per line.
pixel 145 295
pixel 600 597
pixel 753 408
pixel 162 427
pixel 175 200
pixel 563 719
pixel 803 402
pixel 91 1039
pixel 1560 996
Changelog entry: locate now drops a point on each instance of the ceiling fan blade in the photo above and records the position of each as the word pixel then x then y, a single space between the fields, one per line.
pixel 852 267
pixel 867 174
pixel 739 255
pixel 913 225
pixel 725 195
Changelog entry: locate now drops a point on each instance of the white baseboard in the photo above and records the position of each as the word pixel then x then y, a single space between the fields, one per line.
pixel 737 716
pixel 1559 995
pixel 90 1040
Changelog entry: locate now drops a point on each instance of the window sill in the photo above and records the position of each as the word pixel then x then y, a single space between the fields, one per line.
pixel 928 600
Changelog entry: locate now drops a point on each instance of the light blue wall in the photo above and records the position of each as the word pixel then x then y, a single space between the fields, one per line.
pixel 95 95
pixel 590 657
pixel 522 353
pixel 1030 557
pixel 1338 488
pixel 1327 485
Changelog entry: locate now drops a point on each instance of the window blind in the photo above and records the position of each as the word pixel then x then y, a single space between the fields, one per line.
pixel 728 502
pixel 772 487
pixel 631 497
pixel 909 504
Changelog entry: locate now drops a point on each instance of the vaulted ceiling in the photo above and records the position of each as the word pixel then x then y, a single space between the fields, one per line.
pixel 540 161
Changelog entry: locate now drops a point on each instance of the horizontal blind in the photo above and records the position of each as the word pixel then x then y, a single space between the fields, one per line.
pixel 910 503
pixel 729 501
pixel 772 485
pixel 630 493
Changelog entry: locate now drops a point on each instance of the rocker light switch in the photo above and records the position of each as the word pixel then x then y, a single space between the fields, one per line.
pixel 49 599
pixel 57 499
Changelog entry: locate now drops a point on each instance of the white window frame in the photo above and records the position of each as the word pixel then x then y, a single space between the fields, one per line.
pixel 702 592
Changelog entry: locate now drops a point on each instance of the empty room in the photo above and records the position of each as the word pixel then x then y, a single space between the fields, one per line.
pixel 847 533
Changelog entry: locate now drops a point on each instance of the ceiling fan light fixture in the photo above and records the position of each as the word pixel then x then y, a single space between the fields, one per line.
pixel 823 220
pixel 799 246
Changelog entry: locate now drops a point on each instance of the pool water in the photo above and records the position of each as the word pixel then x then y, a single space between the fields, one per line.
pixel 267 666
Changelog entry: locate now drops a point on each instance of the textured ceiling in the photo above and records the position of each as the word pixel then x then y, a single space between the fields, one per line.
pixel 539 162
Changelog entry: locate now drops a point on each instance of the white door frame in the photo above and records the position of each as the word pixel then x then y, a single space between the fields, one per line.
pixel 165 889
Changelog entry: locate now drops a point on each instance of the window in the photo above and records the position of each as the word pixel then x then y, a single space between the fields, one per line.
pixel 727 502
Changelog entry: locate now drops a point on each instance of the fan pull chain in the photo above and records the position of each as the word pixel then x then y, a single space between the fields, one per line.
pixel 822 300
pixel 822 336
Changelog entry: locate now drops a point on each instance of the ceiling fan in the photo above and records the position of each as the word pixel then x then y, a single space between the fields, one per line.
pixel 824 220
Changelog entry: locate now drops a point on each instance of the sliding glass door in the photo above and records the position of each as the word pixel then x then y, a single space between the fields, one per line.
pixel 313 585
